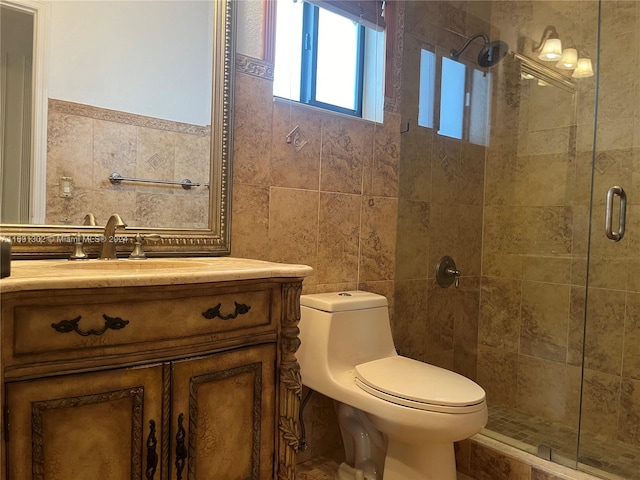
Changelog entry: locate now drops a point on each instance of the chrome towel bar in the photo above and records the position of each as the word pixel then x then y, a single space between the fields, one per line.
pixel 115 178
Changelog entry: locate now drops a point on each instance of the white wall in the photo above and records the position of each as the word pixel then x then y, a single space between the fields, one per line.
pixel 148 58
pixel 249 28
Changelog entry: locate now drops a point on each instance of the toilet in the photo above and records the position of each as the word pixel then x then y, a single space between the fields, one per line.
pixel 398 417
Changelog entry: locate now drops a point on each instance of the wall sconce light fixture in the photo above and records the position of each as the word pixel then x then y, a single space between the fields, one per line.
pixel 550 48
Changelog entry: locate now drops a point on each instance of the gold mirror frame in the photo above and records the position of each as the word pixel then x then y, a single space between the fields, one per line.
pixel 50 241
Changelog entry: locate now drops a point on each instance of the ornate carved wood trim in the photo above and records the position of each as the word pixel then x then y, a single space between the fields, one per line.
pixel 290 382
pixel 166 421
pixel 37 434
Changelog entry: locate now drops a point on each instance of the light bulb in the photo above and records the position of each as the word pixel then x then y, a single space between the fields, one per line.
pixel 551 50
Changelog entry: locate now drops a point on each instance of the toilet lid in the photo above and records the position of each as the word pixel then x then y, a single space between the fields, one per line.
pixel 419 385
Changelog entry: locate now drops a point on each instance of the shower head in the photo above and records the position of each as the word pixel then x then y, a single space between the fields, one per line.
pixel 490 54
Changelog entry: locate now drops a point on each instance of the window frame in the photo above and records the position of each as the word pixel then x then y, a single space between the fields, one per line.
pixel 309 52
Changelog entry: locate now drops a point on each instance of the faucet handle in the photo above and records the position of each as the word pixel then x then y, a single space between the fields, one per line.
pixel 89 219
pixel 140 239
pixel 78 250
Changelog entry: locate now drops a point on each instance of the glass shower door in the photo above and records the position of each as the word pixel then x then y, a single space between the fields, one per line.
pixel 610 408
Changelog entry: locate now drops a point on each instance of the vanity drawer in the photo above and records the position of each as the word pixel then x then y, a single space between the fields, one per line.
pixel 93 323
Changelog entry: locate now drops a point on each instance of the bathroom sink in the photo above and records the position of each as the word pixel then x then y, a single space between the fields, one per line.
pixel 131 265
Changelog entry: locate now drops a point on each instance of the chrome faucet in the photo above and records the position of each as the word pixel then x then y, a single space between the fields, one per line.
pixel 108 251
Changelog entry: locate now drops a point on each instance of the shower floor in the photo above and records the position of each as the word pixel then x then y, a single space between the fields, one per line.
pixel 599 456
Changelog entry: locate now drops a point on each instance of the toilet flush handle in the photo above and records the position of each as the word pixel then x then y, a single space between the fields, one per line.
pixel 447 272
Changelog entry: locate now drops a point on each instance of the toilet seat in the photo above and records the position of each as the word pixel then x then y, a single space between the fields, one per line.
pixel 415 384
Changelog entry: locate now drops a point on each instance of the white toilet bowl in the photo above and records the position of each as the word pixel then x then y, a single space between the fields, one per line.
pixel 399 417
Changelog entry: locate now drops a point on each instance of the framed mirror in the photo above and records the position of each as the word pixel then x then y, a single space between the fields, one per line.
pixel 117 107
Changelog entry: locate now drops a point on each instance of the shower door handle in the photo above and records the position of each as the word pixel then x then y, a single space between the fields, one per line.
pixel 608 216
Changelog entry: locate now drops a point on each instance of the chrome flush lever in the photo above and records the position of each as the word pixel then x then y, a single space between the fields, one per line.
pixel 608 216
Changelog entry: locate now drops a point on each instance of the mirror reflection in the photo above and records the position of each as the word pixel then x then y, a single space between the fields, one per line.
pixel 129 88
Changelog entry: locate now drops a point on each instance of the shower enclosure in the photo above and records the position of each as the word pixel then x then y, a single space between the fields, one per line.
pixel 541 213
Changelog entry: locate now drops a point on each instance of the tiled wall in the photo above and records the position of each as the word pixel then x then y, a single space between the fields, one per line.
pixel 331 204
pixel 440 206
pixel 611 405
pixel 88 144
pixel 536 228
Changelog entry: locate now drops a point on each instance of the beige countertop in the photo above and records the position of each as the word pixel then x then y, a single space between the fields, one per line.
pixel 60 274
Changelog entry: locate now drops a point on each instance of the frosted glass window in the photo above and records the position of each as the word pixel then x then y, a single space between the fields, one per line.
pixel 426 102
pixel 288 60
pixel 479 108
pixel 338 60
pixel 452 98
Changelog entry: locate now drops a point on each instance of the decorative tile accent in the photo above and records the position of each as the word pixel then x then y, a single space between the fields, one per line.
pixel 254 66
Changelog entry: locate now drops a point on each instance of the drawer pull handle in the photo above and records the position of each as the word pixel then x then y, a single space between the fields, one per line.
pixel 181 450
pixel 214 312
pixel 110 323
pixel 152 455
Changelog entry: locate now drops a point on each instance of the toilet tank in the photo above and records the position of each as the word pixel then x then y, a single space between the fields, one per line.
pixel 340 330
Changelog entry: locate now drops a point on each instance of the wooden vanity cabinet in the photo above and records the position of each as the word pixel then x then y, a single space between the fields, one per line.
pixel 198 403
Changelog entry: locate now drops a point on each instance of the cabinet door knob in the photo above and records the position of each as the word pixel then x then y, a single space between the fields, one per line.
pixel 181 449
pixel 152 455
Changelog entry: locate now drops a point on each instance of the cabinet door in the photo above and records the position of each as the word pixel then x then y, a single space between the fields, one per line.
pixel 223 416
pixel 87 426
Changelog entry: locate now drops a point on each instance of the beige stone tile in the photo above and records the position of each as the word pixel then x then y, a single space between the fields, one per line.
pixel 498 375
pixel 105 202
pixel 489 464
pixel 165 211
pixel 548 389
pixel 293 227
pixel 465 328
pixel 291 167
pixel 410 87
pixel 545 319
pixel 631 358
pixel 409 327
pixel 575 337
pixel 412 241
pixel 347 146
pixel 114 150
pixel 499 321
pixel 250 232
pixel 338 238
pixel 69 150
pixel 600 405
pixel 463 457
pixel 629 421
pixel 457 172
pixel 415 165
pixel 378 234
pixel 419 20
pixel 192 161
pixel 442 359
pixel 253 116
pixel 323 434
pixel 604 330
pixel 155 159
pixel 457 232
pixel 547 268
pixel 384 170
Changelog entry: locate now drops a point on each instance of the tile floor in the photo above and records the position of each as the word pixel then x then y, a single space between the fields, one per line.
pixel 598 455
pixel 324 469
